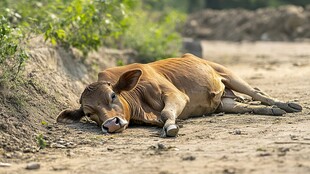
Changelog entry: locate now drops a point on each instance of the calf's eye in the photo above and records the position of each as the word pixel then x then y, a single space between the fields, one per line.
pixel 113 96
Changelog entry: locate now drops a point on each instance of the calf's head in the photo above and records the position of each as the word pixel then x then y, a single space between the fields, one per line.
pixel 102 103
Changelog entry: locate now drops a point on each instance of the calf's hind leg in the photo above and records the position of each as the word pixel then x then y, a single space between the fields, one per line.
pixel 235 83
pixel 229 105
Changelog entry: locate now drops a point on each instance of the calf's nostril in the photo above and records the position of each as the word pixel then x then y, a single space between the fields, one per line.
pixel 104 129
pixel 117 120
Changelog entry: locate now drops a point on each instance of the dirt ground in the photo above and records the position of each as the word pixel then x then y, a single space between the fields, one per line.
pixel 222 143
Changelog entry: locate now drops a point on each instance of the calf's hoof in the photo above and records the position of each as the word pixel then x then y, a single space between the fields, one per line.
pixel 289 106
pixel 277 111
pixel 269 111
pixel 170 131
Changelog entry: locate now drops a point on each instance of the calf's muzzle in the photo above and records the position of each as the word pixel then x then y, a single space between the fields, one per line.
pixel 113 125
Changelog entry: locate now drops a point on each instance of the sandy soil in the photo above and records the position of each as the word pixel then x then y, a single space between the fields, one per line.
pixel 213 144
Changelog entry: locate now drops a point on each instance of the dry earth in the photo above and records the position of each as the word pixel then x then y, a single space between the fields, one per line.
pixel 212 144
pixel 285 23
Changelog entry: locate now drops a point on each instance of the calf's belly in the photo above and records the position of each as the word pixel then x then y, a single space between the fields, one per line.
pixel 199 108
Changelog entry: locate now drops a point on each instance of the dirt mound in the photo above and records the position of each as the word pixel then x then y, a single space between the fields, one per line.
pixel 286 23
pixel 53 80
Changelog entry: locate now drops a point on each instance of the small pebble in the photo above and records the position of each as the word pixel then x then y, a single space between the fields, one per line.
pixel 5 164
pixel 60 168
pixel 264 154
pixel 189 158
pixel 152 147
pixel 8 155
pixel 79 132
pixel 71 145
pixel 27 150
pixel 55 145
pixel 110 148
pixel 174 149
pixel 61 142
pixel 49 127
pixel 32 166
pixel 283 149
pixel 161 146
pixel 218 114
pixel 237 132
pixel 70 154
pixel 294 137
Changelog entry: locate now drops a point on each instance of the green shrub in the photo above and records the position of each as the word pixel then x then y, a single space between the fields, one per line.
pixel 12 54
pixel 89 24
pixel 153 35
pixel 86 24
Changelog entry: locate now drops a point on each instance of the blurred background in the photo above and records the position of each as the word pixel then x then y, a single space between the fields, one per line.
pixel 192 6
pixel 153 29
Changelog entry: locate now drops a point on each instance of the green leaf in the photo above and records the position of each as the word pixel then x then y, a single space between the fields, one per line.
pixel 44 123
pixel 61 34
pixel 41 142
pixel 53 41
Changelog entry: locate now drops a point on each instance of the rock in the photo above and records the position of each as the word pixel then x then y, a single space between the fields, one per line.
pixel 79 132
pixel 83 142
pixel 60 168
pixel 27 150
pixel 164 172
pixel 56 145
pixel 61 142
pixel 33 166
pixel 173 148
pixel 5 164
pixel 218 114
pixel 264 154
pixel 70 153
pixel 110 148
pixel 294 137
pixel 282 151
pixel 70 145
pixel 152 147
pixel 189 158
pixel 18 154
pixel 161 146
pixel 8 155
pixel 237 132
pixel 229 171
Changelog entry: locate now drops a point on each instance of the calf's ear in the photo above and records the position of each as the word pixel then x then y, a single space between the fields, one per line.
pixel 70 116
pixel 127 81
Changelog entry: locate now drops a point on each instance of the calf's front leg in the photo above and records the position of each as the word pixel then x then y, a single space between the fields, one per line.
pixel 174 105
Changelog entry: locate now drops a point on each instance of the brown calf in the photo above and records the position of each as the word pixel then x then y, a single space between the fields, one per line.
pixel 160 92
